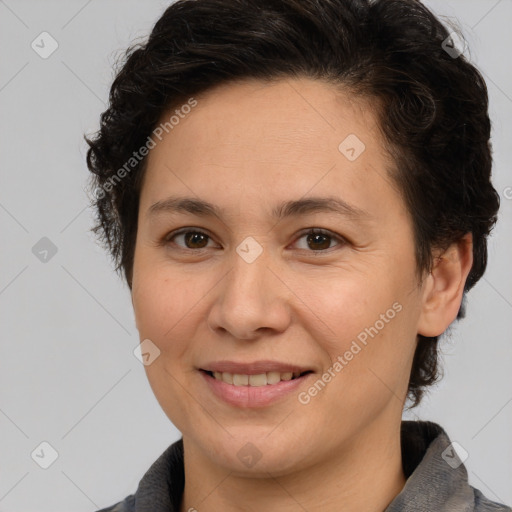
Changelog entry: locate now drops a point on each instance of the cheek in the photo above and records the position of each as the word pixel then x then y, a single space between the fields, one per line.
pixel 168 311
pixel 370 324
pixel 339 307
pixel 165 306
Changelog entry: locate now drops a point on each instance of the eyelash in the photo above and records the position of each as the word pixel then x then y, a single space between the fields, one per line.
pixel 168 239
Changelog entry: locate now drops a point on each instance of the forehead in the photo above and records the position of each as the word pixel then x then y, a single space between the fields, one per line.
pixel 286 138
pixel 281 112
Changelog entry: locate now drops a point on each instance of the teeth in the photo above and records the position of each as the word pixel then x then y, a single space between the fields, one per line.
pixel 273 377
pixel 254 380
pixel 258 380
pixel 240 380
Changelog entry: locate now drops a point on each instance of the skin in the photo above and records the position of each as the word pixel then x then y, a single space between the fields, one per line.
pixel 246 147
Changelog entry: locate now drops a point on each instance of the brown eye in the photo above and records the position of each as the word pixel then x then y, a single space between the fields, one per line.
pixel 319 240
pixel 190 239
pixel 195 240
pixel 316 242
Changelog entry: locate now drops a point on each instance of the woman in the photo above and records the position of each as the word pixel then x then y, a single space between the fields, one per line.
pixel 298 194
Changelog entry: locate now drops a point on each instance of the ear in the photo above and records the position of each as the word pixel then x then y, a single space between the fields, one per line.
pixel 443 288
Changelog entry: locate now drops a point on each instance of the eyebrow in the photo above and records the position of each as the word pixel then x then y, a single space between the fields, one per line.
pixel 286 209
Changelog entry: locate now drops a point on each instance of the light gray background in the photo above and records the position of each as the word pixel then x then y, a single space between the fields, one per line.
pixel 68 375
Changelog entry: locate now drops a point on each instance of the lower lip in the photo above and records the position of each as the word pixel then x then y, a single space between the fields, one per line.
pixel 252 396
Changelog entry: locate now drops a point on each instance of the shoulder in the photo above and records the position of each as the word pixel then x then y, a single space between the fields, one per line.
pixel 483 504
pixel 161 487
pixel 437 478
pixel 127 505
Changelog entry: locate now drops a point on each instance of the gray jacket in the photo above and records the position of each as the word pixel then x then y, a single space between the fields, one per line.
pixel 437 481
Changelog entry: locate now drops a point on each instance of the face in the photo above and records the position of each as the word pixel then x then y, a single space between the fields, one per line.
pixel 271 273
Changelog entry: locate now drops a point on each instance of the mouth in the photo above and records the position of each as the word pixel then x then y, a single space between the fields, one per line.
pixel 254 390
pixel 259 380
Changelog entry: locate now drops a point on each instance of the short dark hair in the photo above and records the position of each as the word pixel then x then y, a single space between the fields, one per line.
pixel 432 107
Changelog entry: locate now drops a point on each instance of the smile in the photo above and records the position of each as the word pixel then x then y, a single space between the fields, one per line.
pixel 253 391
pixel 262 379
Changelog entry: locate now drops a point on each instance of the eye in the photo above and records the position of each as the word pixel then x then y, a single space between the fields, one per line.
pixel 316 240
pixel 189 239
pixel 319 240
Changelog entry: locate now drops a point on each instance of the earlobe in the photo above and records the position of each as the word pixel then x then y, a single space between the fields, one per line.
pixel 444 287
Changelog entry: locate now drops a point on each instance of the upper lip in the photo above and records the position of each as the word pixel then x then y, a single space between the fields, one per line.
pixel 253 368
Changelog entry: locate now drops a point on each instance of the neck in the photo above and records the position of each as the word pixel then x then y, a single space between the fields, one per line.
pixel 364 474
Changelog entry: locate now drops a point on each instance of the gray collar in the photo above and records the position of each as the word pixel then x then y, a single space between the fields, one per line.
pixel 440 481
pixel 437 481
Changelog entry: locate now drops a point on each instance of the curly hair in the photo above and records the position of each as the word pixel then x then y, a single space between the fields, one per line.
pixel 432 111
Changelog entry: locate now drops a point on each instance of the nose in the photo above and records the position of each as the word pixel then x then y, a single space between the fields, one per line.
pixel 251 300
